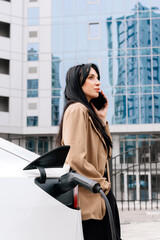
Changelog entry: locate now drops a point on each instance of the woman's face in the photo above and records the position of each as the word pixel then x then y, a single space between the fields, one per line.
pixel 91 87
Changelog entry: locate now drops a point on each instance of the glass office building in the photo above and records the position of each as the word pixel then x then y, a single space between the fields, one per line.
pixel 123 39
pixel 48 37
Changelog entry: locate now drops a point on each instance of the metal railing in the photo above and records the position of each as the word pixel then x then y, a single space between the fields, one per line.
pixel 136 178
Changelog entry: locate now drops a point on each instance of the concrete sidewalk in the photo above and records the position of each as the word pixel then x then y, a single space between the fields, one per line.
pixel 141 231
pixel 140 224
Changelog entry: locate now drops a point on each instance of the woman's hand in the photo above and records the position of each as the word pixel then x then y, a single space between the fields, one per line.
pixel 102 113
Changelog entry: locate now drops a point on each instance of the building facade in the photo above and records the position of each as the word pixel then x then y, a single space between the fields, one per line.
pixel 40 40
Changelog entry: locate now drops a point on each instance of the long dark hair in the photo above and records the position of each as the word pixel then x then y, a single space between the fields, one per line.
pixel 75 78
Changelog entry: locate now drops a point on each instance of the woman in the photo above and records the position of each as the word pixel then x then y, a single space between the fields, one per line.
pixel 85 129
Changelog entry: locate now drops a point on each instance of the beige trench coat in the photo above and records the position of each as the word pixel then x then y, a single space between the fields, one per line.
pixel 88 156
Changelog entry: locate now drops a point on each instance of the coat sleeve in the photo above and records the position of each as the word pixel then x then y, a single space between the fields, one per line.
pixel 75 125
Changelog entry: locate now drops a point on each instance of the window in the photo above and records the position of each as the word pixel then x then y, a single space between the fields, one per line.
pixel 32 88
pixel 4 29
pixel 4 66
pixel 94 30
pixel 33 16
pixel 33 51
pixel 33 34
pixel 4 104
pixel 32 121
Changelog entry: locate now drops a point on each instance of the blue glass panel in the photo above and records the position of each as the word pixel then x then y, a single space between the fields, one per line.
pixel 144 33
pixel 156 32
pixel 145 89
pixel 56 86
pixel 132 70
pixel 121 53
pixel 31 144
pixel 33 16
pixel 132 90
pixel 130 136
pixel 145 51
pixel 56 93
pixel 70 37
pixel 33 57
pixel 143 136
pixel 156 89
pixel 131 34
pixel 69 7
pixel 132 52
pixel 57 38
pixel 32 121
pixel 155 12
pixel 131 155
pixel 145 71
pixel 55 111
pixel 31 94
pixel 55 74
pixel 82 36
pixel 156 108
pixel 144 14
pixel 120 109
pixel 57 8
pixel 120 90
pixel 146 108
pixel 121 81
pixel 109 33
pixel 156 70
pixel 33 49
pixel 110 114
pixel 156 51
pixel 81 7
pixel 121 34
pixel 32 84
pixel 133 109
pixel 42 145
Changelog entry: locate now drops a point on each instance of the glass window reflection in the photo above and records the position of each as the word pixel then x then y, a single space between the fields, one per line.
pixel 121 81
pixel 33 49
pixel 146 108
pixel 144 33
pixel 156 108
pixel 120 109
pixel 132 71
pixel 56 92
pixel 32 88
pixel 145 70
pixel 131 33
pixel 32 121
pixel 156 32
pixel 94 30
pixel 133 109
pixel 33 16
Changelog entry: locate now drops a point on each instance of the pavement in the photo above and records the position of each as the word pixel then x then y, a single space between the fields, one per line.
pixel 140 224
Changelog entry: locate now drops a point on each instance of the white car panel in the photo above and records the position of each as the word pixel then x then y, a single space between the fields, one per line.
pixel 26 211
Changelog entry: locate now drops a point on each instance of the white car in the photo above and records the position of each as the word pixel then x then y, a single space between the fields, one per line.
pixel 26 211
pixel 38 195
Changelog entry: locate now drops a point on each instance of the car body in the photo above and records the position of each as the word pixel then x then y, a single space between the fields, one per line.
pixel 27 211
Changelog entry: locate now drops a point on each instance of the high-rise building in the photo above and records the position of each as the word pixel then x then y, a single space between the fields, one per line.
pixel 40 40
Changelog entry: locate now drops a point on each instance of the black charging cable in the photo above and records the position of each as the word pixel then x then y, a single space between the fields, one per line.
pixel 72 179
